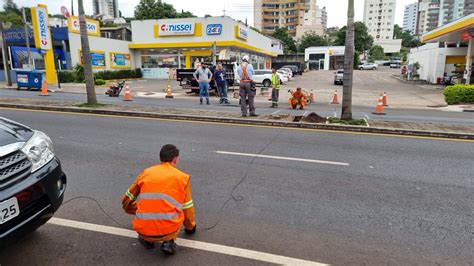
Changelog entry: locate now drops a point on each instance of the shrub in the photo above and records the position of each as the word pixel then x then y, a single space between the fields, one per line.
pixel 118 74
pixel 99 82
pixel 79 73
pixel 354 122
pixel 459 93
pixel 67 76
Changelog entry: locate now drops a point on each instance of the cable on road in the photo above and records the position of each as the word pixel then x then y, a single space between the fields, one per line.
pixel 234 197
pixel 100 208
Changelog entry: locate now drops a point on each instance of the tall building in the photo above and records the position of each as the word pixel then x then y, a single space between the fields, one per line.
pixel 409 18
pixel 106 8
pixel 468 7
pixel 298 16
pixel 322 17
pixel 379 17
pixel 436 13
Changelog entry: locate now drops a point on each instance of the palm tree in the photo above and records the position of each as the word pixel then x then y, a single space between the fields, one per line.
pixel 86 57
pixel 348 65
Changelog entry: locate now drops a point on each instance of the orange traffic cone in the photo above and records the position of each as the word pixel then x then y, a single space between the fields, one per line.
pixel 44 89
pixel 128 94
pixel 384 99
pixel 379 108
pixel 311 96
pixel 334 98
pixel 169 94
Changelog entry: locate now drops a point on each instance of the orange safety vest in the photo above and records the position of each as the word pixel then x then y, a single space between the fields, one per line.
pixel 245 76
pixel 160 202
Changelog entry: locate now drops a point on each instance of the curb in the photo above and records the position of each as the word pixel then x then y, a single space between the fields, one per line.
pixel 255 122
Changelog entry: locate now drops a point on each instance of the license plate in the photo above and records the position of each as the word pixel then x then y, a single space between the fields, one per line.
pixel 8 210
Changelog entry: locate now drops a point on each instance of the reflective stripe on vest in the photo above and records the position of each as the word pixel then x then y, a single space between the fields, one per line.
pixel 245 76
pixel 156 216
pixel 160 196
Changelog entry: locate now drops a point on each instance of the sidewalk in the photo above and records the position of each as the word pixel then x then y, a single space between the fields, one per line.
pixel 379 127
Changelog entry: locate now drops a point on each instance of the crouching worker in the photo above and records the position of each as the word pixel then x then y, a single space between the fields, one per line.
pixel 297 98
pixel 161 201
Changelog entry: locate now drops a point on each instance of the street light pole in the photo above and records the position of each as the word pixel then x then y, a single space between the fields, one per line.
pixel 27 38
pixel 4 54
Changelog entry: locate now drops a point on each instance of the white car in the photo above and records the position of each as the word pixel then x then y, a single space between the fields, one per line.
pixel 368 66
pixel 284 73
pixel 264 77
pixel 287 70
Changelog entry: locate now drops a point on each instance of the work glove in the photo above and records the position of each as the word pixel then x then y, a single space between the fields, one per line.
pixel 190 232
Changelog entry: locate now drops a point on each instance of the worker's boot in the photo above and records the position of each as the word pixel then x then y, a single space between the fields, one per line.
pixel 200 100
pixel 146 244
pixel 207 101
pixel 168 247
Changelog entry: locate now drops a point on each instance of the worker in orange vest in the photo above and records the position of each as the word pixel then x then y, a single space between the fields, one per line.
pixel 161 201
pixel 297 98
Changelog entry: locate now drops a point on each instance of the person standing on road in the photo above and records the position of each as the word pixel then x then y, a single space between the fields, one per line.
pixel 246 87
pixel 203 76
pixel 275 88
pixel 161 201
pixel 221 82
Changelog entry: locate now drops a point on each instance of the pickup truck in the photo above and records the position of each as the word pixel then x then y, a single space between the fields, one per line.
pixel 188 82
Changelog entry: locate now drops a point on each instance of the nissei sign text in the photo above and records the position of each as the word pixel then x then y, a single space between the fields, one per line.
pixel 171 29
pixel 40 27
pixel 93 26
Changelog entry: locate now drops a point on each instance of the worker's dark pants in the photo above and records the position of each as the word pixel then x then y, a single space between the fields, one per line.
pixel 247 92
pixel 275 96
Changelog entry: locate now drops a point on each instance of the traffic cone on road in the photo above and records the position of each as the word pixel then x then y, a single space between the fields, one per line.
pixel 379 108
pixel 44 89
pixel 311 96
pixel 384 99
pixel 169 94
pixel 128 94
pixel 334 98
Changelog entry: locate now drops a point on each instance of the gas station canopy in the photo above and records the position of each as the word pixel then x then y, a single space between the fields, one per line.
pixel 461 30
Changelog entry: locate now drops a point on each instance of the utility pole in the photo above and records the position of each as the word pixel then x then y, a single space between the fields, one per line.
pixel 5 54
pixel 27 36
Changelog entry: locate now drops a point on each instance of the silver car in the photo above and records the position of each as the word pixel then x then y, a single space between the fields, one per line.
pixel 368 66
pixel 338 77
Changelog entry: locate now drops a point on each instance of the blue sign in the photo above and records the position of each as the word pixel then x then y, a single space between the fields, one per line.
pixel 18 36
pixel 214 29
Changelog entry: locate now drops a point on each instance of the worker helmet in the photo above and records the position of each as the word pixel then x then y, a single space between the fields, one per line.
pixel 245 58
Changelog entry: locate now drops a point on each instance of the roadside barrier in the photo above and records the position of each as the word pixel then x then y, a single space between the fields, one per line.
pixel 384 99
pixel 128 94
pixel 169 94
pixel 44 89
pixel 379 107
pixel 334 98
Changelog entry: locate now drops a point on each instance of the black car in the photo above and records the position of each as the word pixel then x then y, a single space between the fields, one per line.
pixel 32 183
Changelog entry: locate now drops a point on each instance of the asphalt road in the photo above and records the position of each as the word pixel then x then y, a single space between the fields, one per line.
pixel 320 107
pixel 369 200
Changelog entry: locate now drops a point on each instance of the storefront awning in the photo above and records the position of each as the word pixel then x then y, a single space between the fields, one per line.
pixel 455 31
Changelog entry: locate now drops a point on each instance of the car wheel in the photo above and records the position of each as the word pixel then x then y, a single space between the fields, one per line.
pixel 360 68
pixel 267 83
pixel 374 68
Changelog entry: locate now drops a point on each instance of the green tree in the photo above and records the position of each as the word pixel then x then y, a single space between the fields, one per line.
pixel 408 40
pixel 86 57
pixel 311 39
pixel 157 9
pixel 376 53
pixel 346 113
pixel 12 17
pixel 9 5
pixel 362 42
pixel 288 42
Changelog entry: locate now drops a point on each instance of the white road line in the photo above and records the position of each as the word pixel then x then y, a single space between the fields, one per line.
pixel 276 112
pixel 209 247
pixel 282 158
pixel 366 116
pixel 335 114
pixel 305 113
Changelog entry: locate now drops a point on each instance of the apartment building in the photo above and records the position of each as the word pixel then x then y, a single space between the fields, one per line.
pixel 322 17
pixel 436 13
pixel 379 17
pixel 409 18
pixel 298 16
pixel 106 8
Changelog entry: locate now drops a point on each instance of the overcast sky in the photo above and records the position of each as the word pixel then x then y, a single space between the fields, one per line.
pixel 239 9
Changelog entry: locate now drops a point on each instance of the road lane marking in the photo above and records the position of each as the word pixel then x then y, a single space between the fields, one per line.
pixel 276 112
pixel 238 125
pixel 282 158
pixel 209 247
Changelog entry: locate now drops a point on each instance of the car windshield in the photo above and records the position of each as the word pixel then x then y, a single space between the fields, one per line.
pixel 341 71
